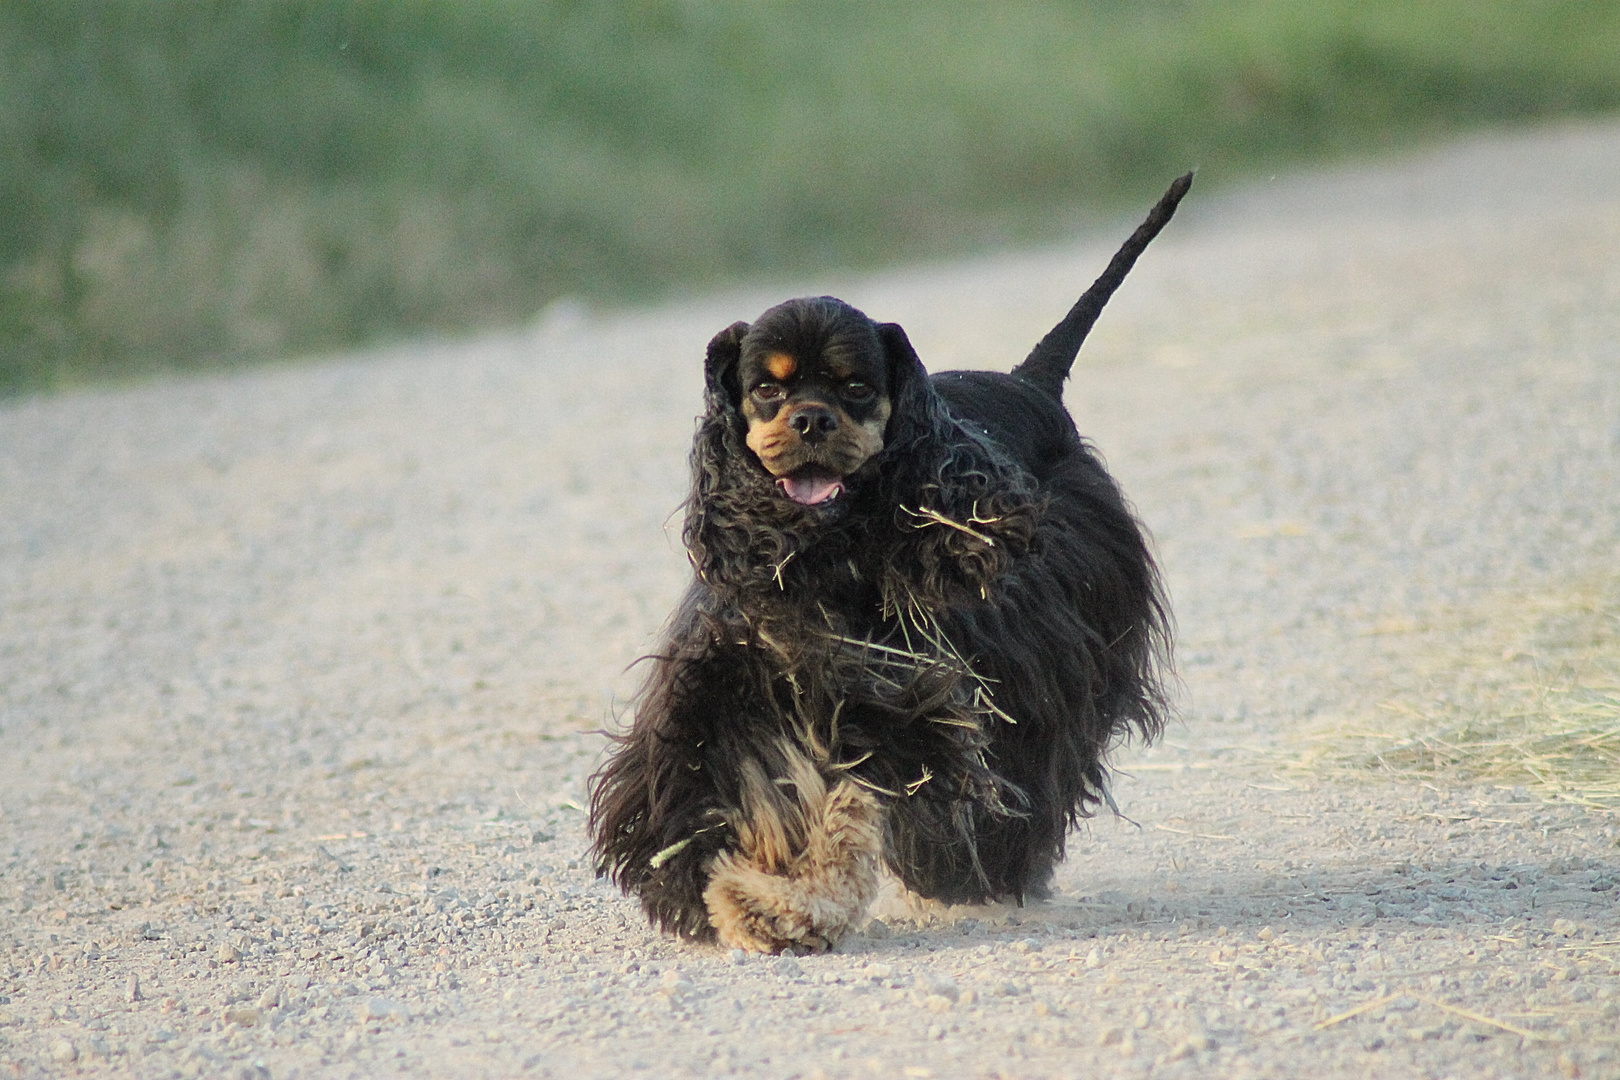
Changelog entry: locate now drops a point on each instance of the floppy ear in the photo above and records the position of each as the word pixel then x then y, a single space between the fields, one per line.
pixel 720 366
pixel 909 391
pixel 939 475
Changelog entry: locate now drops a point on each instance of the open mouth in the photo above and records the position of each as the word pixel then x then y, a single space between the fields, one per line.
pixel 812 486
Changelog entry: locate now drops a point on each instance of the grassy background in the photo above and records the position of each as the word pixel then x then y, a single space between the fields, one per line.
pixel 1520 691
pixel 186 182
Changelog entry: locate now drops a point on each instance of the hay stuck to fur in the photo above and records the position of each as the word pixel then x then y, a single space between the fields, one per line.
pixel 1524 692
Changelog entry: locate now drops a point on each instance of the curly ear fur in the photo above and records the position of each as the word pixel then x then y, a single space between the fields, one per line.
pixel 962 510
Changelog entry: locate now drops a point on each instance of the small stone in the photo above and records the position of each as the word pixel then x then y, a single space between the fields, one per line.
pixel 227 954
pixel 877 930
pixel 938 1003
pixel 1043 1008
pixel 933 984
pixel 242 1015
pixel 1267 934
pixel 1111 1036
pixel 673 984
pixel 1182 1050
pixel 271 998
pixel 64 1051
pixel 1127 1046
pixel 788 968
pixel 738 957
pixel 132 989
pixel 380 1008
pixel 1094 958
pixel 880 971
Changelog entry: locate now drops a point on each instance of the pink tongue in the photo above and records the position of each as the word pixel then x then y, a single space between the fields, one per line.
pixel 810 489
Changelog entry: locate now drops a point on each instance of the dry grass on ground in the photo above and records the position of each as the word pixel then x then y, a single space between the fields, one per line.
pixel 1521 692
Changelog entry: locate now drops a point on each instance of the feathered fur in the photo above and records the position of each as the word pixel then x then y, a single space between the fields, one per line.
pixel 955 647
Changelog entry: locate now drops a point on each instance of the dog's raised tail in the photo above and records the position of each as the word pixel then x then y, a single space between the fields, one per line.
pixel 1049 362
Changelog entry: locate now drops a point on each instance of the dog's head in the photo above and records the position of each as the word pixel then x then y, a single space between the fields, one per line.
pixel 823 443
pixel 815 382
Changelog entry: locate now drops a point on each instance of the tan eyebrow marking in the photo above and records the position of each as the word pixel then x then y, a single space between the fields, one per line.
pixel 781 366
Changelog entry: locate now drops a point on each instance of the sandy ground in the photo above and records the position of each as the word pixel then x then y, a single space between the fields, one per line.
pixel 300 674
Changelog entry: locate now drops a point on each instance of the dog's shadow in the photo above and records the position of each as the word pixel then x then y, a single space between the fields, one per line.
pixel 1565 897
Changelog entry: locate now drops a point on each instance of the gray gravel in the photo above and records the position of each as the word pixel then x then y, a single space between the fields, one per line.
pixel 301 671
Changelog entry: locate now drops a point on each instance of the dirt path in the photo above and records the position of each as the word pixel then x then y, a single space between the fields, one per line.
pixel 298 671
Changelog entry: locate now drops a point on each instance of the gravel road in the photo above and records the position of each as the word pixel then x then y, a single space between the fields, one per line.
pixel 301 674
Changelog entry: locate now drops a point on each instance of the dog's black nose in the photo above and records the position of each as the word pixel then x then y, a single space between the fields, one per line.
pixel 813 423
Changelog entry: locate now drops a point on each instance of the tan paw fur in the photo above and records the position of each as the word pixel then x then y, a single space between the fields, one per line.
pixel 763 898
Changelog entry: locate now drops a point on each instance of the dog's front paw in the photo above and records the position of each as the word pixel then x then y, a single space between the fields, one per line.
pixel 814 900
pixel 767 913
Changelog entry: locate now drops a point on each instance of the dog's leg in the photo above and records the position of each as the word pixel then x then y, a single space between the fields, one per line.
pixel 805 869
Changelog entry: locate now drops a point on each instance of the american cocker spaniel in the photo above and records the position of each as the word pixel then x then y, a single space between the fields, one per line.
pixel 922 616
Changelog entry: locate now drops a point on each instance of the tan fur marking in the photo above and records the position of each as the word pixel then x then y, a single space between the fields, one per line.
pixel 764 897
pixel 768 439
pixel 781 451
pixel 781 366
pixel 771 827
pixel 870 440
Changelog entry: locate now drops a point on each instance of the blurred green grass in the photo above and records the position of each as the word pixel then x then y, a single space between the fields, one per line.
pixel 189 183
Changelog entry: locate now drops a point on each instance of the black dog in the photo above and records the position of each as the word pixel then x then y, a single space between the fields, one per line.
pixel 923 615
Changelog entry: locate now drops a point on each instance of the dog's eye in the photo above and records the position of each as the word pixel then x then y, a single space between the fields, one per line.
pixel 768 391
pixel 857 390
